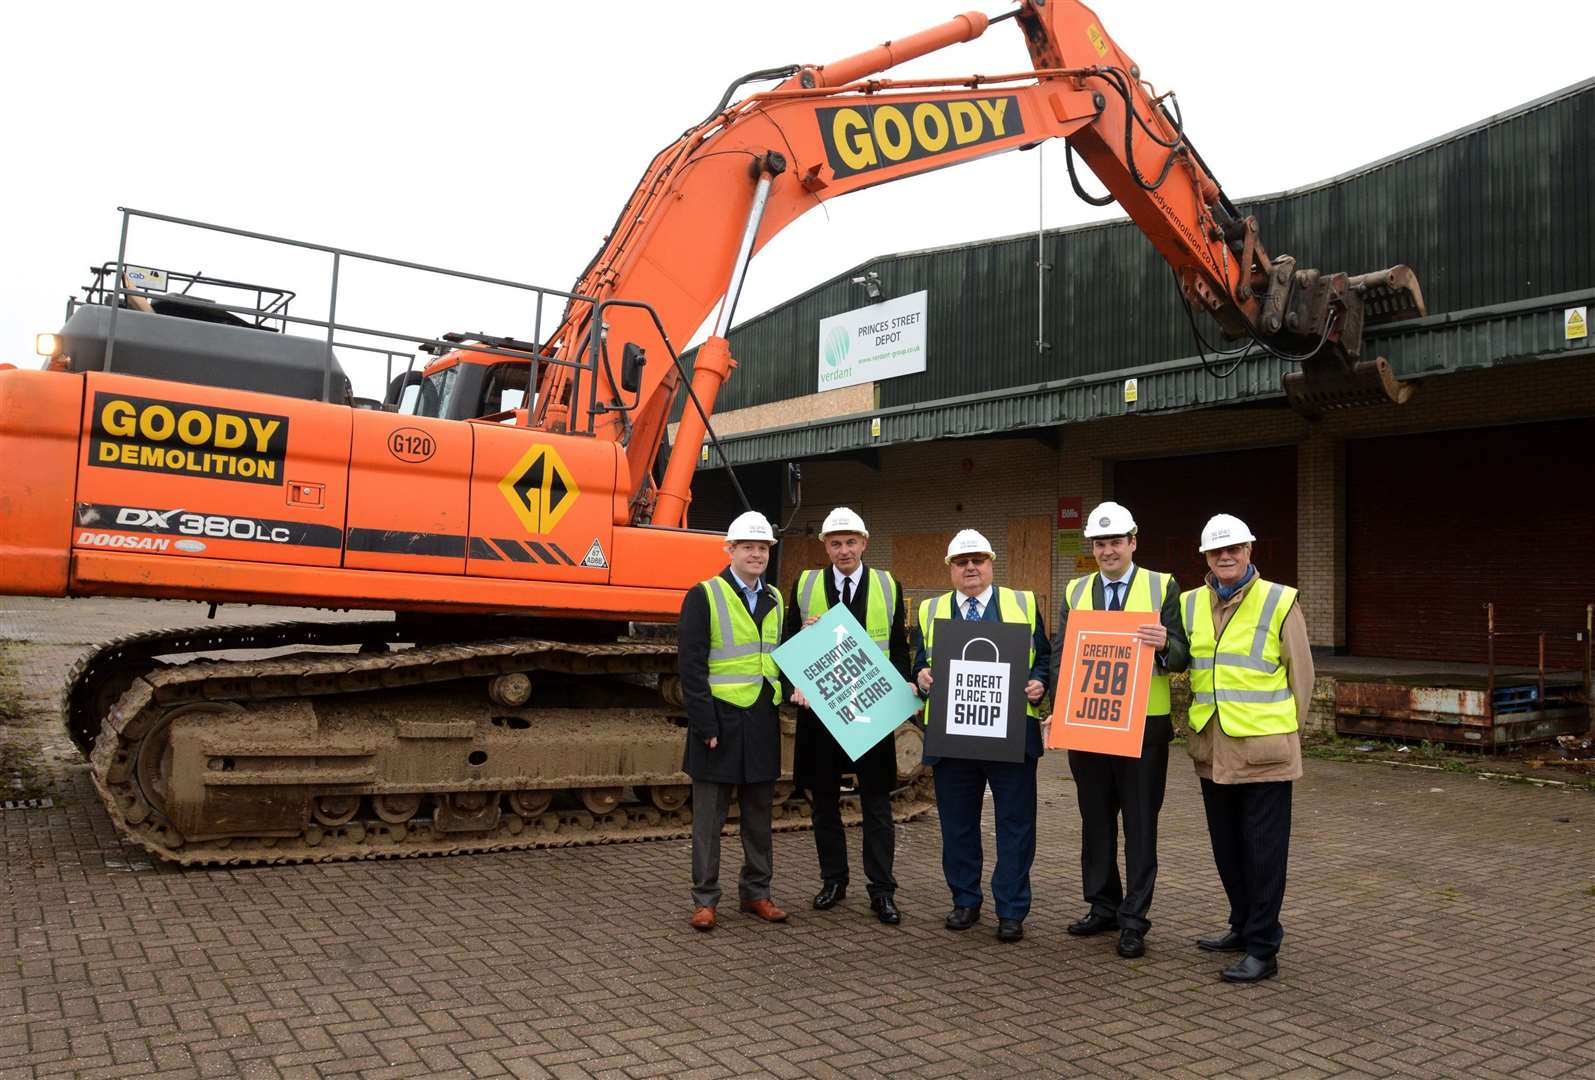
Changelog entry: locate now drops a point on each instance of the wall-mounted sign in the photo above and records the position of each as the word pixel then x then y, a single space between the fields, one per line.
pixel 871 343
pixel 1575 323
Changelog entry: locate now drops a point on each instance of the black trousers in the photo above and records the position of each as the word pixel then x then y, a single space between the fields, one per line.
pixel 1249 825
pixel 830 838
pixel 1107 787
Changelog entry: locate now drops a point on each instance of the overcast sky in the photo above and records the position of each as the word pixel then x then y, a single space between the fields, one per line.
pixel 503 138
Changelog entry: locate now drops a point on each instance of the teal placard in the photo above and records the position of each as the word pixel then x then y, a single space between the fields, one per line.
pixel 850 684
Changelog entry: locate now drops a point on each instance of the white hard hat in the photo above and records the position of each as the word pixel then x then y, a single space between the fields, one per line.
pixel 1109 519
pixel 968 542
pixel 1222 530
pixel 843 520
pixel 750 526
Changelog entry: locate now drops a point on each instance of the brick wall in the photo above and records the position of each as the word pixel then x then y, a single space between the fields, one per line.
pixel 983 484
pixel 936 487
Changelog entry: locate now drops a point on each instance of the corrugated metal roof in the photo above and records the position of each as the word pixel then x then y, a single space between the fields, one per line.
pixel 1496 212
pixel 1434 346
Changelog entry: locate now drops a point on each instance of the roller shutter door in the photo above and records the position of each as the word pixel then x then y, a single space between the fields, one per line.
pixel 1441 523
pixel 1172 498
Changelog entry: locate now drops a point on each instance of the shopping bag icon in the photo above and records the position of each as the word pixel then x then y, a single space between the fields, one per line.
pixel 977 699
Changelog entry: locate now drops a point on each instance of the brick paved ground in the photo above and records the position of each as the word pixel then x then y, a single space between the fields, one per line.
pixel 1437 925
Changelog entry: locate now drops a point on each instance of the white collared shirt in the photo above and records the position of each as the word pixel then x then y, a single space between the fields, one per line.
pixel 1125 578
pixel 981 600
pixel 856 577
pixel 750 592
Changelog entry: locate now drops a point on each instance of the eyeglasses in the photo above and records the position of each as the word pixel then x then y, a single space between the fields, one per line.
pixel 971 560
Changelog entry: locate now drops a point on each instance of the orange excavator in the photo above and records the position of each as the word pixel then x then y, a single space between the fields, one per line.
pixel 517 514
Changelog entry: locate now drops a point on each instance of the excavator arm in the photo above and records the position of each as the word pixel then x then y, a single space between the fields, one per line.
pixel 715 196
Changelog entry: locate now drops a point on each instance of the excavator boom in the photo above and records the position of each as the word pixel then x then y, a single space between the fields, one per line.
pixel 718 193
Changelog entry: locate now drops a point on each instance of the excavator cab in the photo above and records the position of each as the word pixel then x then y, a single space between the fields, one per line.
pixel 468 383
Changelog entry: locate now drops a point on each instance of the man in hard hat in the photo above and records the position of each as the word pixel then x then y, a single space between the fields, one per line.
pixel 961 782
pixel 729 626
pixel 1108 785
pixel 1247 703
pixel 876 601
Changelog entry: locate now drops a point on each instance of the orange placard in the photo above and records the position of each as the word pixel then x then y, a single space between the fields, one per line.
pixel 1100 699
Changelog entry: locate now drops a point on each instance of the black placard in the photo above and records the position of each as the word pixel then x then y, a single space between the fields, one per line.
pixel 979 670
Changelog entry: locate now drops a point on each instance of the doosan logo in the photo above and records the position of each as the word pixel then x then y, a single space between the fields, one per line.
pixel 89 538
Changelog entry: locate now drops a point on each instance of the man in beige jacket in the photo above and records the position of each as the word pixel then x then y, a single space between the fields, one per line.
pixel 1251 681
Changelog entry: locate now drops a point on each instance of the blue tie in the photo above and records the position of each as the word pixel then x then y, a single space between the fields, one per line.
pixel 1116 600
pixel 972 609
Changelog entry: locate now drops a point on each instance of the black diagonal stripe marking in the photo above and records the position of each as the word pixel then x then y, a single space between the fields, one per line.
pixel 396 542
pixel 561 553
pixel 480 549
pixel 513 550
pixel 541 552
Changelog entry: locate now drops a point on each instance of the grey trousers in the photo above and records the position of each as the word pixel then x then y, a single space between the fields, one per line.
pixel 710 802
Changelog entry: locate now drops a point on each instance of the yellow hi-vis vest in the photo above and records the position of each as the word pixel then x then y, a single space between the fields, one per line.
pixel 882 602
pixel 1145 593
pixel 1246 685
pixel 739 652
pixel 1012 607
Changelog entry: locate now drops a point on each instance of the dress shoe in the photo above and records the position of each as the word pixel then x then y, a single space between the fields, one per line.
pixel 1010 930
pixel 1228 941
pixel 1131 944
pixel 962 918
pixel 831 894
pixel 885 909
pixel 703 918
pixel 1092 923
pixel 1250 969
pixel 764 909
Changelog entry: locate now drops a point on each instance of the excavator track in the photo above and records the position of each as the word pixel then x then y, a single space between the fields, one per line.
pixel 235 761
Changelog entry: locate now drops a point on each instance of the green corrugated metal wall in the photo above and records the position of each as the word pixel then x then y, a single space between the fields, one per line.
pixel 1495 213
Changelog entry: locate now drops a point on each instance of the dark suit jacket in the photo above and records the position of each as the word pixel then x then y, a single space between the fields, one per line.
pixel 817 753
pixel 1040 668
pixel 749 750
pixel 1175 656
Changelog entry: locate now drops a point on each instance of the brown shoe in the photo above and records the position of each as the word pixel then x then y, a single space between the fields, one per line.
pixel 764 909
pixel 703 918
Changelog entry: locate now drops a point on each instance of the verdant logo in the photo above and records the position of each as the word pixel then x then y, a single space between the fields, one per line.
pixel 837 342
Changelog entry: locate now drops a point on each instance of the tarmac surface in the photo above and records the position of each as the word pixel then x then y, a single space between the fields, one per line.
pixel 1436 925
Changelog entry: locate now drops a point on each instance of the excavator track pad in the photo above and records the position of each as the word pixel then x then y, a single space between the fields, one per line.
pixel 430 750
